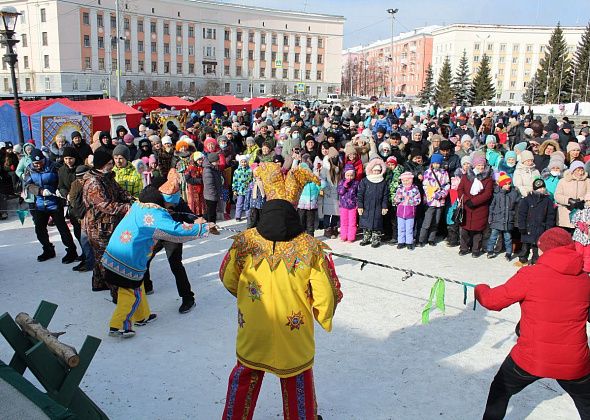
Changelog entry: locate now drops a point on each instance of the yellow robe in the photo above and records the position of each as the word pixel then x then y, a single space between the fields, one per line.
pixel 279 294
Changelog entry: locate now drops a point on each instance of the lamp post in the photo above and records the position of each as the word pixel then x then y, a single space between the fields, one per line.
pixel 9 16
pixel 392 12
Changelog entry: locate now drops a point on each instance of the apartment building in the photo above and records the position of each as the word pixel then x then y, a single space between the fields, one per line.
pixel 174 46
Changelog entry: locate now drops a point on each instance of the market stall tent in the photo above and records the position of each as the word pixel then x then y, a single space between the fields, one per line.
pixel 56 109
pixel 155 102
pixel 102 109
pixel 8 127
pixel 262 102
pixel 220 104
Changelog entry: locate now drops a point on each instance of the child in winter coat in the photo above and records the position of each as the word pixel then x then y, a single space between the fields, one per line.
pixel 581 221
pixel 553 173
pixel 436 187
pixel 347 196
pixel 492 155
pixel 241 180
pixel 452 227
pixel 328 204
pixel 372 202
pixel 536 214
pixel 352 157
pixel 307 207
pixel 394 171
pixel 502 215
pixel 194 184
pixel 525 173
pixel 407 198
pixel 254 199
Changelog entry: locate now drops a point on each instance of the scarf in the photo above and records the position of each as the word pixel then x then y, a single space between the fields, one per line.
pixel 476 187
pixel 375 179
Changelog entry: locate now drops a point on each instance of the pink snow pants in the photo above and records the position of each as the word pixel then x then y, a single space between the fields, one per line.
pixel 348 224
pixel 584 251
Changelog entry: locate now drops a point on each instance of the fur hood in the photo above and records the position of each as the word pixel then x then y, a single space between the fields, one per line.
pixel 568 176
pixel 486 173
pixel 374 162
pixel 549 143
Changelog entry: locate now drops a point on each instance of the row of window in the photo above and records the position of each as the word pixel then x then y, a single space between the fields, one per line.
pixel 501 60
pixel 208 33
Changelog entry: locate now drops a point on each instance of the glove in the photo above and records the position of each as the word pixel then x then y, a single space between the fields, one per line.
pixel 469 204
pixel 579 205
pixel 360 211
pixel 58 193
pixel 46 193
pixel 575 203
pixel 383 212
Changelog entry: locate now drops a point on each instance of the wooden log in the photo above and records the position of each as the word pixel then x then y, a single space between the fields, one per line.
pixel 66 353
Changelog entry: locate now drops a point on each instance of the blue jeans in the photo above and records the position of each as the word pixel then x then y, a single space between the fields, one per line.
pixel 494 238
pixel 86 249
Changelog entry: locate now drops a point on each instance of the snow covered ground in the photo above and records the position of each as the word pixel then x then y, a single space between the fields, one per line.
pixel 379 362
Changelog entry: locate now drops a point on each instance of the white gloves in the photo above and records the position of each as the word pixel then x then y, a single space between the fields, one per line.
pixel 46 193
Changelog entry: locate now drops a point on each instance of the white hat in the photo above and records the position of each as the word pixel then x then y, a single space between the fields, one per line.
pixel 2 144
pixel 240 158
pixel 166 140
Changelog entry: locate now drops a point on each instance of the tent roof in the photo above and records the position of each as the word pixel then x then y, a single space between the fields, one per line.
pixel 156 102
pixel 230 102
pixel 102 107
pixel 260 102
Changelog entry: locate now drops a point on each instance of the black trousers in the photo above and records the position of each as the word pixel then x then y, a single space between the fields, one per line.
pixel 41 219
pixel 390 223
pixel 211 211
pixel 526 249
pixel 430 225
pixel 307 218
pixel 511 379
pixel 453 234
pixel 470 240
pixel 174 255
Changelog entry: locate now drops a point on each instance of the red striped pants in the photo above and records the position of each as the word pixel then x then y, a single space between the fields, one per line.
pixel 244 386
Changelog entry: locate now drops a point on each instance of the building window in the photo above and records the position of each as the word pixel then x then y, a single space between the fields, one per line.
pixel 476 46
pixel 296 73
pixel 28 84
pixel 167 84
pixel 155 85
pixel 513 73
pixel 47 83
pixel 179 68
pixel 273 39
pixel 320 59
pixel 238 87
pixel 142 85
pixel 101 63
pixel 127 65
pixel 250 54
pixel 166 67
pixel 263 39
pixel 191 31
pixel 308 58
pixel 319 90
pixel 209 68
pixel 191 68
pixel 44 39
pixel 239 71
pixel 262 71
pixel 140 65
pixel 166 48
pixel 226 35
pixel 476 58
pixel 501 72
pixel 307 89
pixel 515 47
pixel 250 36
pixel 179 86
pixel 178 30
pixel 166 29
pixel 226 52
pixel 46 61
pixel 26 62
pixel 262 89
pixel 297 41
pixel 100 42
pixel 273 56
pixel 87 63
pixel 319 75
pixel 512 95
pixel 501 60
pixel 262 55
pixel 153 29
pixel 227 87
pixel 126 24
pixel 127 45
pixel 320 45
pixel 209 52
pixel 307 74
pixel 178 49
pixel 114 64
pixel 273 73
pixel 140 46
pixel 308 42
pixel 154 67
pixel 192 86
pixel 154 47
pixel 239 54
pixel 6 86
pixel 285 57
pixel 514 60
pixel 285 73
pixel 43 15
pixel 297 57
pixel 528 60
pixel 113 21
pixel 99 21
pixel 239 36
pixel 209 33
pixel 490 47
pixel 285 40
pixel 191 50
pixel 140 26
pixel 74 84
pixel 85 18
pixel 24 41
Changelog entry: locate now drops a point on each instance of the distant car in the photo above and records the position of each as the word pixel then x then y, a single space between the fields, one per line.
pixel 333 98
pixel 373 98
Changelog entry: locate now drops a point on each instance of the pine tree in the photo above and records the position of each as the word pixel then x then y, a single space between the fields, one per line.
pixel 581 67
pixel 534 90
pixel 554 74
pixel 483 89
pixel 428 90
pixel 462 83
pixel 444 92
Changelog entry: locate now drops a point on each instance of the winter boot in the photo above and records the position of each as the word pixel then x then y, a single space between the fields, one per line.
pixel 334 234
pixel 70 256
pixel 187 305
pixel 47 254
pixel 366 238
pixel 375 239
pixel 328 232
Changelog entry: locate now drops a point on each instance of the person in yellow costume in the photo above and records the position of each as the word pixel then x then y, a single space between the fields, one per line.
pixel 283 279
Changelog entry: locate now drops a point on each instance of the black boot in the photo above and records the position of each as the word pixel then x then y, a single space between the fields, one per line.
pixel 70 257
pixel 366 238
pixel 187 305
pixel 81 265
pixel 47 254
pixel 375 239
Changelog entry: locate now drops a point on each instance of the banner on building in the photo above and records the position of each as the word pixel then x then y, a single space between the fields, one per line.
pixel 52 126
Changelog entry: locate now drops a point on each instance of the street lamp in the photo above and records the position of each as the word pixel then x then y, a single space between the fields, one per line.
pixel 392 12
pixel 9 16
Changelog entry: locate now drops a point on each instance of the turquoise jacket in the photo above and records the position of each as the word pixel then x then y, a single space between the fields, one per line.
pixel 134 238
pixel 308 199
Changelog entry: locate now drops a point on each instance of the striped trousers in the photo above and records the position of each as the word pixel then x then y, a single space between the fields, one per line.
pixel 132 306
pixel 298 393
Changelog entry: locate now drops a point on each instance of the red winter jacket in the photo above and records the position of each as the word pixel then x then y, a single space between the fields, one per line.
pixel 554 297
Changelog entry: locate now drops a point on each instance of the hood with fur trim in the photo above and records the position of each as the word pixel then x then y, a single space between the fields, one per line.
pixel 374 162
pixel 549 143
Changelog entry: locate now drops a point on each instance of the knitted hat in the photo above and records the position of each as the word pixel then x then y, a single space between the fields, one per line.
pixel 572 145
pixel 445 145
pixel 391 159
pixel 521 146
pixel 166 140
pixel 196 156
pixel 37 155
pixel 504 179
pixel 210 142
pixel 526 155
pixel 150 194
pixel 81 170
pixel 528 131
pixel 416 130
pixel 575 165
pixel 490 138
pixel 250 141
pixel 278 187
pixel 510 155
pixel 348 167
pixel 437 158
pixel 181 144
pixel 128 138
pixel 122 150
pixel 478 159
pixel 465 138
pixel 70 152
pixel 538 184
pixel 406 175
pixel 152 159
pixel 466 159
pixel 553 238
pixel 554 136
pixel 155 139
pixel 213 157
pixel 332 152
pixel 101 158
pixel 240 158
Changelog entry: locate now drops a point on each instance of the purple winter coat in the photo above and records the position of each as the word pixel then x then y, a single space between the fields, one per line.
pixel 347 193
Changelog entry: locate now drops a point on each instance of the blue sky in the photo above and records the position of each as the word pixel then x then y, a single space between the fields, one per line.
pixel 367 23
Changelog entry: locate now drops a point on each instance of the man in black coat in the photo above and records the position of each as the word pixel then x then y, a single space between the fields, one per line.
pixel 566 135
pixel 82 148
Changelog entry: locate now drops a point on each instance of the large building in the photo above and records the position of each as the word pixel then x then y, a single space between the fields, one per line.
pixel 174 47
pixel 514 51
pixel 366 69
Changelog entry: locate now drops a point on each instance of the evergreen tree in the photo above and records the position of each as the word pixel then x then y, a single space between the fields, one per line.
pixel 533 92
pixel 581 68
pixel 554 76
pixel 428 90
pixel 462 83
pixel 444 91
pixel 483 89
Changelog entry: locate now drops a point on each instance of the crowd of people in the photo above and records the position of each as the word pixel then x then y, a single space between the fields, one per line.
pixel 483 181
